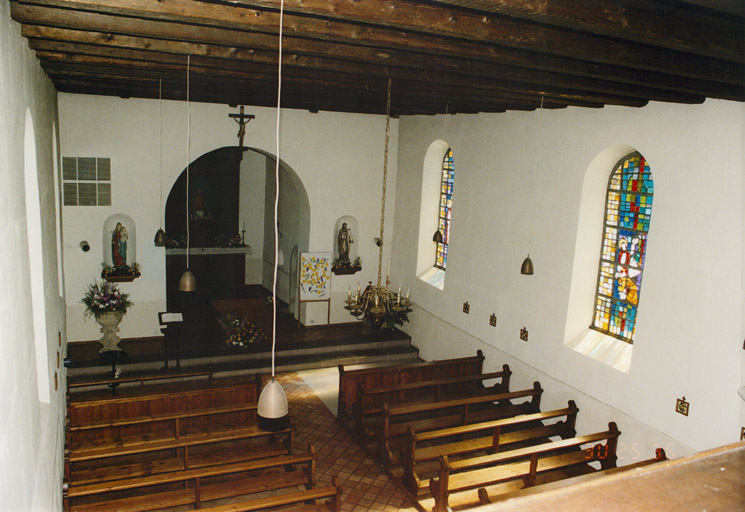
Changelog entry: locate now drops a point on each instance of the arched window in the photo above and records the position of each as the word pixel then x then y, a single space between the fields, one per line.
pixel 628 208
pixel 446 203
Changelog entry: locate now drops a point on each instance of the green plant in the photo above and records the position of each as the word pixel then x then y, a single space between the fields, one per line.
pixel 105 297
pixel 128 271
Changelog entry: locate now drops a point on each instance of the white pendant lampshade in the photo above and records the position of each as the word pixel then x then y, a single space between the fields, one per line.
pixel 272 408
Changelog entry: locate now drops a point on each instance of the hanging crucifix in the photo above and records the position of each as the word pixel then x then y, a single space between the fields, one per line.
pixel 242 120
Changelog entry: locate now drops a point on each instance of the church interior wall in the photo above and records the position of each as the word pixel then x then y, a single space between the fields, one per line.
pixel 337 157
pixel 31 432
pixel 690 325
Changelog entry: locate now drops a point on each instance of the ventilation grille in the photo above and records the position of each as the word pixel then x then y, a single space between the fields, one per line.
pixel 86 181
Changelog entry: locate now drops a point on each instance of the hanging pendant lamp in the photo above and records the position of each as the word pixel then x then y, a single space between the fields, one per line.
pixel 526 268
pixel 160 235
pixel 187 283
pixel 272 410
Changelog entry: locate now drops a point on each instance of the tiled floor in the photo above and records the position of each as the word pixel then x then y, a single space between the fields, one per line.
pixel 366 486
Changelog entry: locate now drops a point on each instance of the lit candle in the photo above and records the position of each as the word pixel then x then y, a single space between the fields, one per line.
pixel 388 271
pixel 407 294
pixel 376 300
pixel 398 299
pixel 244 226
pixel 358 287
pixel 399 288
pixel 349 293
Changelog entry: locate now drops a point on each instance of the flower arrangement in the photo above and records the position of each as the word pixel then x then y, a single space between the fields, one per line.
pixel 240 332
pixel 104 297
pixel 128 271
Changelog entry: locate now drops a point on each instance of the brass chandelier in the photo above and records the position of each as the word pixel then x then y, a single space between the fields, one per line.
pixel 377 304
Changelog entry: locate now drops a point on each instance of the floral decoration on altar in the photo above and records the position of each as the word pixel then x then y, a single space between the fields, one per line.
pixel 240 332
pixel 109 271
pixel 104 297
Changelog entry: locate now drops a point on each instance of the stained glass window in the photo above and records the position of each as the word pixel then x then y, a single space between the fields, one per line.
pixel 624 245
pixel 446 204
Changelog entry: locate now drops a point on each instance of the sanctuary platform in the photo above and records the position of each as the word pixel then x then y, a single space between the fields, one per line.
pixel 297 349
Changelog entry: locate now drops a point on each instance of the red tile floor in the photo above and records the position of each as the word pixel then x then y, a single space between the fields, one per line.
pixel 366 485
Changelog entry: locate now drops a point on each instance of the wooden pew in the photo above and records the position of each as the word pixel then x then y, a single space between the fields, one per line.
pixel 196 448
pixel 94 406
pixel 350 381
pixel 332 493
pixel 485 499
pixel 370 401
pixel 489 436
pixel 395 421
pixel 192 487
pixel 142 379
pixel 522 463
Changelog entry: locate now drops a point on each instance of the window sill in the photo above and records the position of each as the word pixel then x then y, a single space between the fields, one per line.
pixel 602 348
pixel 434 276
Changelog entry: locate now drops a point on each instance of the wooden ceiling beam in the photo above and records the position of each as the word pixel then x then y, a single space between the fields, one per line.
pixel 454 85
pixel 666 26
pixel 442 68
pixel 736 7
pixel 388 20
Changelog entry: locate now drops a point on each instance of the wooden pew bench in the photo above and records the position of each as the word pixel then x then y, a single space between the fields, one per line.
pixel 395 421
pixel 96 406
pixel 523 463
pixel 490 436
pixel 350 381
pixel 331 493
pixel 485 498
pixel 194 486
pixel 122 458
pixel 141 379
pixel 370 401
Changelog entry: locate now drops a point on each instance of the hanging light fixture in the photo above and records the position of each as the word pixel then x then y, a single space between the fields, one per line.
pixel 378 301
pixel 526 268
pixel 160 235
pixel 272 409
pixel 187 283
pixel 437 238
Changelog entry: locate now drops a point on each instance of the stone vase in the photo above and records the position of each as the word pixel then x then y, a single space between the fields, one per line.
pixel 109 323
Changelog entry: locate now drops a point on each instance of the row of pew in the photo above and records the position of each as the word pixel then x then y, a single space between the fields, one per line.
pixel 186 442
pixel 445 429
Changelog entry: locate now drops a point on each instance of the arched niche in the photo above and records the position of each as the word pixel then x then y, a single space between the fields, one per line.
pixel 346 233
pixel 119 242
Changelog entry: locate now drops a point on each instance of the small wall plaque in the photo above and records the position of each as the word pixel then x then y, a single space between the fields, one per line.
pixel 493 320
pixel 524 334
pixel 466 307
pixel 681 406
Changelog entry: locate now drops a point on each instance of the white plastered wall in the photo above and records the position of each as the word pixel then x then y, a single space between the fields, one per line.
pixel 689 332
pixel 338 158
pixel 31 431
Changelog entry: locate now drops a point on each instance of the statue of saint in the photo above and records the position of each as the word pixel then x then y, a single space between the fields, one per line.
pixel 344 239
pixel 119 245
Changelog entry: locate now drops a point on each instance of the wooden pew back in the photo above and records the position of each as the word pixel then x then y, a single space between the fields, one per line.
pixel 493 436
pixel 395 421
pixel 368 378
pixel 522 463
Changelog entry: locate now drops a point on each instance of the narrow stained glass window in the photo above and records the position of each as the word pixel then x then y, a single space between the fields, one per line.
pixel 446 203
pixel 624 245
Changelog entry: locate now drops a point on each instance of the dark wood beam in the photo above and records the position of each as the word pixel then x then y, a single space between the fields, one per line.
pixel 390 18
pixel 441 68
pixel 639 21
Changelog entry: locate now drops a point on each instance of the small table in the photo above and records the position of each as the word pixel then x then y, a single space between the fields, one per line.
pixel 113 357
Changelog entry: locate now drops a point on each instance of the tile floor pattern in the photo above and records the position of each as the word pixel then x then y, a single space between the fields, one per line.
pixel 367 487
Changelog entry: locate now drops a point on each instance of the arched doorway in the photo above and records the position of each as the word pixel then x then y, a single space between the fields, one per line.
pixel 231 236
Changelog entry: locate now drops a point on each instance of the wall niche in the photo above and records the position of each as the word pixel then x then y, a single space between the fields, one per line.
pixel 119 243
pixel 345 238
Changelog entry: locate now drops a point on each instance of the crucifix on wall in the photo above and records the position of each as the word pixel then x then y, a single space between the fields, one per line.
pixel 242 120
